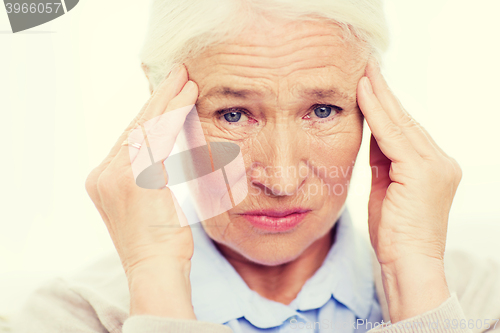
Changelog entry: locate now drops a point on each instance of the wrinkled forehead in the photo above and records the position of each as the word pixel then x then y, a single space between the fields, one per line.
pixel 304 55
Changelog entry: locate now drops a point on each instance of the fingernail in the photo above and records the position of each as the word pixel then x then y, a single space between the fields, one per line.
pixel 190 85
pixel 367 85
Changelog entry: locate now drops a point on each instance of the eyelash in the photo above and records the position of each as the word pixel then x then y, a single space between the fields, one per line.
pixel 338 109
pixel 335 108
pixel 226 111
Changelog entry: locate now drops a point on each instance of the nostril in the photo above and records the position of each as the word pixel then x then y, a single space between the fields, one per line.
pixel 278 180
pixel 279 188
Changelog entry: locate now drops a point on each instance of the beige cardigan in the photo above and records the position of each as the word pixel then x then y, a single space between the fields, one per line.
pixel 97 300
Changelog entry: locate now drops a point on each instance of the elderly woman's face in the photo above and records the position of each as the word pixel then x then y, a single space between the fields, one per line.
pixel 287 97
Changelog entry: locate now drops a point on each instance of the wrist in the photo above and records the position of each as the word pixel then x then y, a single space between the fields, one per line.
pixel 414 285
pixel 161 290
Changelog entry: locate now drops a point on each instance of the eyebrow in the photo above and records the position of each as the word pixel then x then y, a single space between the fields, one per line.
pixel 320 93
pixel 228 92
pixel 231 92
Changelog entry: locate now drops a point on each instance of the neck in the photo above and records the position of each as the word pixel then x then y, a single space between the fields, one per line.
pixel 280 283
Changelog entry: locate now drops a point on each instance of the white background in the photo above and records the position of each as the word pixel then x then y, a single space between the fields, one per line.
pixel 70 87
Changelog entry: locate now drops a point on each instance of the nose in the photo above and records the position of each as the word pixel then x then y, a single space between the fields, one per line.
pixel 280 161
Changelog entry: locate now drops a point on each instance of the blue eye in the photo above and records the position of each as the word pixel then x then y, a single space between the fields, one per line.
pixel 323 111
pixel 232 117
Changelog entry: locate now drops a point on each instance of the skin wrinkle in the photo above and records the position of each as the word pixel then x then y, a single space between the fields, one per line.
pixel 276 47
pixel 283 138
pixel 228 92
pixel 285 71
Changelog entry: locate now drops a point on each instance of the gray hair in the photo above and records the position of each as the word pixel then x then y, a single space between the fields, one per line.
pixel 179 29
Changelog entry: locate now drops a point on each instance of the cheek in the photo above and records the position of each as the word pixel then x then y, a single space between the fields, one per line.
pixel 333 156
pixel 213 170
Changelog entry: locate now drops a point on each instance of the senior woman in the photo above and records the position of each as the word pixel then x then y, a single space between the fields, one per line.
pixel 290 83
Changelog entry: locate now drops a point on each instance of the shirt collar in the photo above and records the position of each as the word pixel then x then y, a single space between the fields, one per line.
pixel 346 273
pixel 219 294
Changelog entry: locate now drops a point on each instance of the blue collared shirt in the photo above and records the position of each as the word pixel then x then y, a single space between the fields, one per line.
pixel 339 297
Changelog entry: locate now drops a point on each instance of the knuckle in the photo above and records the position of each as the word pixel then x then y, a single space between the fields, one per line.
pixel 106 183
pixel 91 183
pixel 437 169
pixel 449 171
pixel 408 122
pixel 404 118
pixel 442 173
pixel 377 109
pixel 103 184
pixel 391 130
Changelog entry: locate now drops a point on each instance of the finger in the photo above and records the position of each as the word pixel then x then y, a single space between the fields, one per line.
pixel 165 92
pixel 158 101
pixel 157 106
pixel 381 89
pixel 160 135
pixel 161 132
pixel 390 138
pixel 417 135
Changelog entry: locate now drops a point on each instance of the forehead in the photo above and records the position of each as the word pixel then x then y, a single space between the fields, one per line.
pixel 281 57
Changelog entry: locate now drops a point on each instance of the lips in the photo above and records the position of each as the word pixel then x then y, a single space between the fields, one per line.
pixel 276 220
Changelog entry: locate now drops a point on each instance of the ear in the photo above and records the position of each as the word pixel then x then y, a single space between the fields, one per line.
pixel 145 69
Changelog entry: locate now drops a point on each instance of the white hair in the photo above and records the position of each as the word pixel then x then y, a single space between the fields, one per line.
pixel 179 29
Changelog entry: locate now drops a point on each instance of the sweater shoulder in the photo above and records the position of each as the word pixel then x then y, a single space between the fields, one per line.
pixel 94 299
pixel 476 281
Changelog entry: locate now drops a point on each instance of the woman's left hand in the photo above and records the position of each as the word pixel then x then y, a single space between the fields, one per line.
pixel 413 185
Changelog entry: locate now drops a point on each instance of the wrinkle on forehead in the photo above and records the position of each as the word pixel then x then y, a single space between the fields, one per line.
pixel 282 33
pixel 299 50
pixel 291 58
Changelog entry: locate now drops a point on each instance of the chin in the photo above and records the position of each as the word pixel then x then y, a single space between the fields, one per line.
pixel 272 249
pixel 274 252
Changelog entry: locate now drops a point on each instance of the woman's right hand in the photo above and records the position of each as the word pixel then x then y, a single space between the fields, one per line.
pixel 156 259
